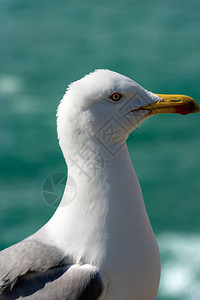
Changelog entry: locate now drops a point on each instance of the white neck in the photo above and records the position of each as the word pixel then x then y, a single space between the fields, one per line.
pixel 107 206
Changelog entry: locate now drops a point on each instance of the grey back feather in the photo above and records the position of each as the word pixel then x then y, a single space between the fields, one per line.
pixel 63 283
pixel 27 256
pixel 32 270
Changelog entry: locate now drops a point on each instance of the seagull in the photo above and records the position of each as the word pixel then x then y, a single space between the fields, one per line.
pixel 100 244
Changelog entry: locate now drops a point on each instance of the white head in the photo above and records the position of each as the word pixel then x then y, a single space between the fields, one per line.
pixel 97 99
pixel 106 101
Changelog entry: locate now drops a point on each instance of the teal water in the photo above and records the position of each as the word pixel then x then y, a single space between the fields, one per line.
pixel 44 45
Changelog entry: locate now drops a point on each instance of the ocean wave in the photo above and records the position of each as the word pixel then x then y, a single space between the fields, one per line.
pixel 180 275
pixel 10 85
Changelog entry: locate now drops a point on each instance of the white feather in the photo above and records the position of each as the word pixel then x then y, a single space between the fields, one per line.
pixel 106 225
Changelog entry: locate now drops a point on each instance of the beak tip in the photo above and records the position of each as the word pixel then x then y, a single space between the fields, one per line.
pixel 194 106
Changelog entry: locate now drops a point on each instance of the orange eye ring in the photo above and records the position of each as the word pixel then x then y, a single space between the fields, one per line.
pixel 115 97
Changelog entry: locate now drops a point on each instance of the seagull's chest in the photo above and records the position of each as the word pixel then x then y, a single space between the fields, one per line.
pixel 132 265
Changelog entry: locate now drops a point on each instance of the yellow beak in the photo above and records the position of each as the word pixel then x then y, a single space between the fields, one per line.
pixel 179 104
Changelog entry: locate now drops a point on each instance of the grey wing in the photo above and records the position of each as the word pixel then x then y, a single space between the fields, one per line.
pixel 27 256
pixel 63 283
pixel 35 271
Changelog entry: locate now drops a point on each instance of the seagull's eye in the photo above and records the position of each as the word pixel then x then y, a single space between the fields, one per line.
pixel 115 97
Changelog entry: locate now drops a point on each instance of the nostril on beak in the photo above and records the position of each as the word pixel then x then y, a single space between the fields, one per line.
pixel 176 100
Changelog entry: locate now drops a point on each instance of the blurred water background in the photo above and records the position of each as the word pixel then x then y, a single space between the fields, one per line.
pixel 44 45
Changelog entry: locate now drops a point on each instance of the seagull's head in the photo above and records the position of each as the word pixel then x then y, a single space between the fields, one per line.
pixel 106 107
